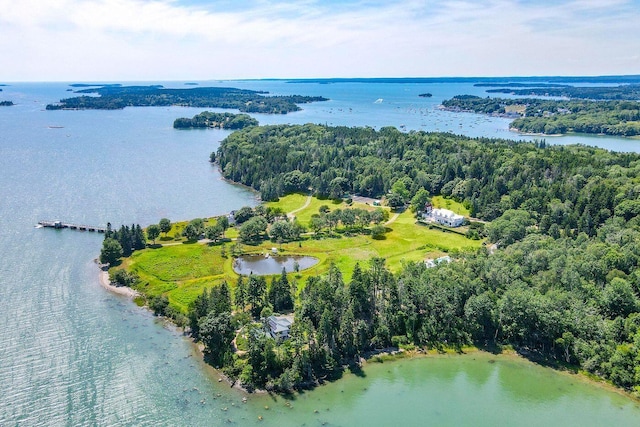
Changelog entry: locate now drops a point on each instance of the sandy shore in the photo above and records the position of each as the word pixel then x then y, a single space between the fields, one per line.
pixel 120 290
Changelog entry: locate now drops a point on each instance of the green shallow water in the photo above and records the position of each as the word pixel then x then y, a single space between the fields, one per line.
pixel 469 390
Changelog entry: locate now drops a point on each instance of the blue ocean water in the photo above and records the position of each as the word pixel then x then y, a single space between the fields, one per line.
pixel 71 353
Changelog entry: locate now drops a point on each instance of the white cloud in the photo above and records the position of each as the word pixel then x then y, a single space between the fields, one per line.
pixel 154 39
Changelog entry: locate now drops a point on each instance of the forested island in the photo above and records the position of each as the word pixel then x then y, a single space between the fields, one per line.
pixel 558 280
pixel 6 103
pixel 114 97
pixel 546 116
pixel 521 85
pixel 627 79
pixel 622 93
pixel 207 119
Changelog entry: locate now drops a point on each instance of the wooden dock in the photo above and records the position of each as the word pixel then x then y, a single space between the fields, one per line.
pixel 80 227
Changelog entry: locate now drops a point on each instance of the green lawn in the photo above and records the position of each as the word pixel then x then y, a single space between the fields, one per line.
pixel 182 271
pixel 290 202
pixel 441 202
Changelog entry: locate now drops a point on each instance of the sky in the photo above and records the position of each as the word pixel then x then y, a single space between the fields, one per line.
pixel 145 40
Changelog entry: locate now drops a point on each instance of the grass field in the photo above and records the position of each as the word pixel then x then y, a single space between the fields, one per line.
pixel 441 202
pixel 182 271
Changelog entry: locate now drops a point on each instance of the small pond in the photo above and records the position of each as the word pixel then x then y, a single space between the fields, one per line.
pixel 263 265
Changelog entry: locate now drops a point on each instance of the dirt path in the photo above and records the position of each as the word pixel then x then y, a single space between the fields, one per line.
pixel 392 219
pixel 307 202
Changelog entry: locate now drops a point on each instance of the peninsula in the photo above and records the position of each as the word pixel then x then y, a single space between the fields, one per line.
pixel 114 97
pixel 551 271
pixel 548 116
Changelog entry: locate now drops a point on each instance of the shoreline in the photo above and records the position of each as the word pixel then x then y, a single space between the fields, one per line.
pixel 519 132
pixel 103 276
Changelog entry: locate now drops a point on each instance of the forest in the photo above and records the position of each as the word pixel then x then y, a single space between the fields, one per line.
pixel 113 97
pixel 207 119
pixel 562 287
pixel 489 176
pixel 544 116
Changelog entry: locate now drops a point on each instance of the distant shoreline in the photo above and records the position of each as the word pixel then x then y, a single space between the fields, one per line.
pixel 535 134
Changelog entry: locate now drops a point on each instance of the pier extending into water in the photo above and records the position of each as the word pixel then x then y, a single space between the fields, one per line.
pixel 59 225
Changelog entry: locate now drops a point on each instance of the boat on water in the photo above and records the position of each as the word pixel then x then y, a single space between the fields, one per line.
pixel 55 127
pixel 378 101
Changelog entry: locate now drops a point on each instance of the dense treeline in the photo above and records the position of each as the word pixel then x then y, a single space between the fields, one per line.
pixel 629 92
pixel 207 119
pixel 619 118
pixel 562 189
pixel 248 101
pixel 122 242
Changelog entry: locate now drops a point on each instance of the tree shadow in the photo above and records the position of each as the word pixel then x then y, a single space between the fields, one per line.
pixel 356 369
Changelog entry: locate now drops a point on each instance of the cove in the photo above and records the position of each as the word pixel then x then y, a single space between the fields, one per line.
pixel 477 389
pixel 263 265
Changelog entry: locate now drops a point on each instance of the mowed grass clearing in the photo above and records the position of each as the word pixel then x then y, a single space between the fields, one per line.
pixel 180 271
pixel 183 271
pixel 441 202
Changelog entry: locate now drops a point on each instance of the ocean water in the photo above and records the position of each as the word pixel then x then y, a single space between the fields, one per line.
pixel 71 353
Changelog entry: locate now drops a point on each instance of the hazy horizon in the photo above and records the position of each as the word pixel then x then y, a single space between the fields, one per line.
pixel 153 40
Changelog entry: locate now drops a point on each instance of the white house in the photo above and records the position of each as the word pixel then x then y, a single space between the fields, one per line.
pixel 442 216
pixel 446 217
pixel 279 327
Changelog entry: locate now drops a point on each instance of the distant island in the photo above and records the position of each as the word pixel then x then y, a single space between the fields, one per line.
pixel 549 117
pixel 6 103
pixel 627 79
pixel 622 92
pixel 425 95
pixel 95 85
pixel 522 85
pixel 115 97
pixel 207 119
